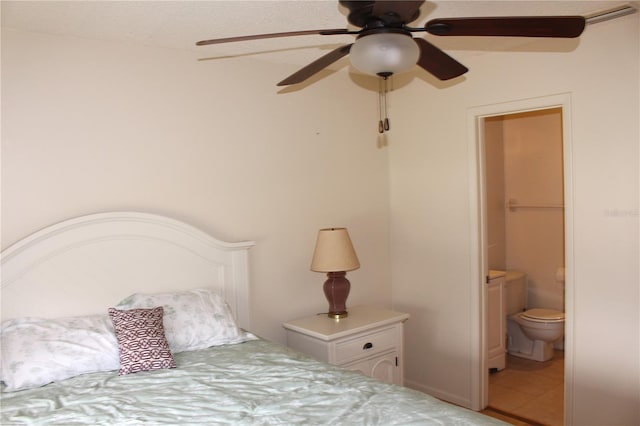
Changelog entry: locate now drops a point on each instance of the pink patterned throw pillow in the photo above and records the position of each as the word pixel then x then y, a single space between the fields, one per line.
pixel 141 340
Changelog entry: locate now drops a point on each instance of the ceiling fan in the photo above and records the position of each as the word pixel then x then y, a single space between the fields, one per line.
pixel 385 45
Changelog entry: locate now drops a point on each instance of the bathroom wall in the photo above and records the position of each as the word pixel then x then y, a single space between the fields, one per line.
pixel 523 156
pixel 534 177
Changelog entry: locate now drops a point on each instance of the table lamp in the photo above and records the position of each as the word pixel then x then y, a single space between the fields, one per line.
pixel 334 254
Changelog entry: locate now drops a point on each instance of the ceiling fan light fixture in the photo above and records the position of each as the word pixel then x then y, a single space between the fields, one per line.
pixel 384 53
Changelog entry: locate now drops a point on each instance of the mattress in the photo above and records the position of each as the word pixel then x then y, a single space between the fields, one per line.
pixel 253 383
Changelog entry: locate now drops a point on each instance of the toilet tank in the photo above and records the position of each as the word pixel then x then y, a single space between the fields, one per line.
pixel 515 292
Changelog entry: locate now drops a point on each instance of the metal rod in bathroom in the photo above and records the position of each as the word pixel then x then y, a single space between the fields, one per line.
pixel 513 204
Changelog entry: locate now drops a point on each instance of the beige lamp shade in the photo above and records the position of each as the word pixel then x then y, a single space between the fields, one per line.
pixel 334 251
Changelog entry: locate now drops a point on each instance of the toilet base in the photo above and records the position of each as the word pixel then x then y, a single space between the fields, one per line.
pixel 521 346
pixel 537 351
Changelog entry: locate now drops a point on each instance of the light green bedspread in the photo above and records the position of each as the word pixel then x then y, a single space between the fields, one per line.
pixel 254 383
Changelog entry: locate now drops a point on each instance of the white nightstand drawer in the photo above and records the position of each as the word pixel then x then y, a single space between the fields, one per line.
pixel 366 345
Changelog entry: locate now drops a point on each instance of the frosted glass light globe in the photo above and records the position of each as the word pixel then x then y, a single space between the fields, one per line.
pixel 384 53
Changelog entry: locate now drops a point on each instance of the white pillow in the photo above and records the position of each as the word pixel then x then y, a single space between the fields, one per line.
pixel 38 351
pixel 193 319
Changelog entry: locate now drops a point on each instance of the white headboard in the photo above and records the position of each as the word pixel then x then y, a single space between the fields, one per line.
pixel 85 265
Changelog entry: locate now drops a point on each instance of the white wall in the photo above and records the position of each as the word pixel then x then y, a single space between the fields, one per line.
pixel 91 126
pixel 431 221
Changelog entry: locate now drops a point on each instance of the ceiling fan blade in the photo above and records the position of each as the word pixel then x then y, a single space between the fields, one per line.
pixel 437 62
pixel 272 35
pixel 316 66
pixel 509 26
pixel 407 10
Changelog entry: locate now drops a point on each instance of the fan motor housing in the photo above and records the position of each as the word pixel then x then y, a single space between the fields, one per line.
pixel 362 13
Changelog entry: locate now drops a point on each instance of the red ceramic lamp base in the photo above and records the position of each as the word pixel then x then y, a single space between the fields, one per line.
pixel 336 289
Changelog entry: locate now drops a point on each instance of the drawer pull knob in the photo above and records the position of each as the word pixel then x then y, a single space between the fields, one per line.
pixel 368 345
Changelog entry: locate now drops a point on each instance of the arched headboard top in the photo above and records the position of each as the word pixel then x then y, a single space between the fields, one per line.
pixel 86 264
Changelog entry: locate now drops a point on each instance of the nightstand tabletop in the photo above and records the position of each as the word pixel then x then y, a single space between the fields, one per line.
pixel 360 318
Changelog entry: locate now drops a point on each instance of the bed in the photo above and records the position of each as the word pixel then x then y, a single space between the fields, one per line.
pixel 127 318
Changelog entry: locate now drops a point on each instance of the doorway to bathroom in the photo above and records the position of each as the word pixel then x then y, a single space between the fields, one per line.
pixel 521 186
pixel 524 191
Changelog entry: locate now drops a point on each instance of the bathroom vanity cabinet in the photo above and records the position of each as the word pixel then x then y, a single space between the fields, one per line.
pixel 496 320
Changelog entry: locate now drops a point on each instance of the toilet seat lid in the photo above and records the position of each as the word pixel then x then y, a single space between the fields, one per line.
pixel 541 314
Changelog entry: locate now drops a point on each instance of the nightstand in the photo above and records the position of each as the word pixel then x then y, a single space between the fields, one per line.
pixel 369 340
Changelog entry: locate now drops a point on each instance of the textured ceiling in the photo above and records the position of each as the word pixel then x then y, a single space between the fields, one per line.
pixel 179 24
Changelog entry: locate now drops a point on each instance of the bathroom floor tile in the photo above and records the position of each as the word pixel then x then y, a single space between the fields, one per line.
pixel 547 409
pixel 507 399
pixel 530 384
pixel 530 389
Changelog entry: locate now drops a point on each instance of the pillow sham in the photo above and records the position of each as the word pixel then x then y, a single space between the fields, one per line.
pixel 193 319
pixel 141 340
pixel 38 351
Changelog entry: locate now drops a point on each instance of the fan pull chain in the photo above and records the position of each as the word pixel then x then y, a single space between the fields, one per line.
pixel 383 90
pixel 380 100
pixel 386 116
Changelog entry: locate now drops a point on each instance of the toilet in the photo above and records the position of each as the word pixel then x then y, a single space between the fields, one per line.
pixel 531 333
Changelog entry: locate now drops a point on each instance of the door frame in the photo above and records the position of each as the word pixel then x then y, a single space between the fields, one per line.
pixel 478 255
